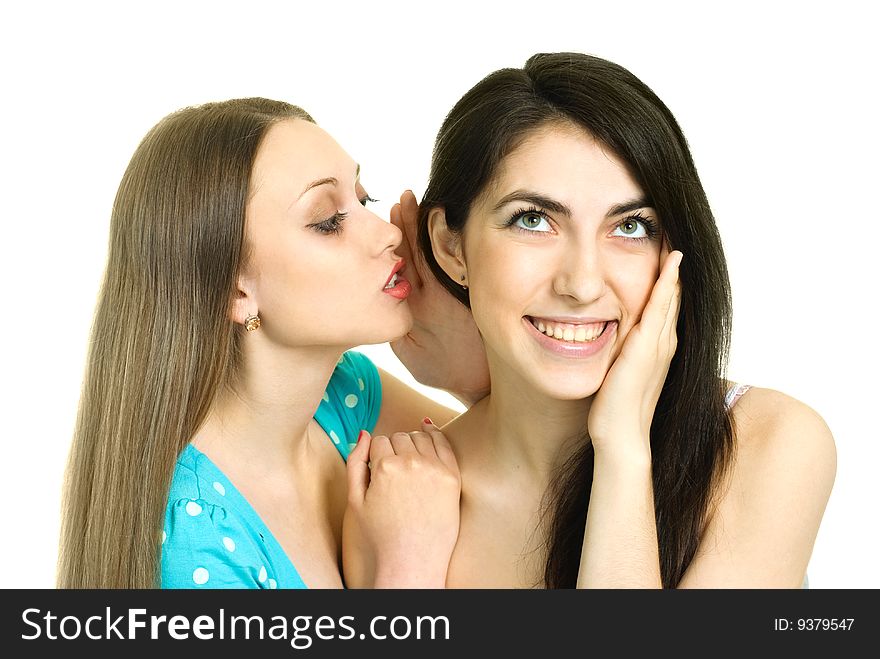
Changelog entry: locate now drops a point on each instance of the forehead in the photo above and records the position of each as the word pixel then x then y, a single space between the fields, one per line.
pixel 295 152
pixel 567 161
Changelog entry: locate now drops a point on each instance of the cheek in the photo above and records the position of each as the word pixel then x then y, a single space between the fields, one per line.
pixel 304 278
pixel 634 284
pixel 503 279
pixel 489 278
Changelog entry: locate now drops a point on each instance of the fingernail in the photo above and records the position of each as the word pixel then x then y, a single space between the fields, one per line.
pixel 361 435
pixel 428 421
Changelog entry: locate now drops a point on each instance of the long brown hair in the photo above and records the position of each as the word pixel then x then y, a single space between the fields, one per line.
pixel 162 344
pixel 691 434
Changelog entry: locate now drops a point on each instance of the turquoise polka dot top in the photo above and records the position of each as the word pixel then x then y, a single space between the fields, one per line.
pixel 213 538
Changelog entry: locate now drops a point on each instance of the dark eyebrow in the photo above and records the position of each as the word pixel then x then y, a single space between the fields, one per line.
pixel 628 206
pixel 541 201
pixel 535 199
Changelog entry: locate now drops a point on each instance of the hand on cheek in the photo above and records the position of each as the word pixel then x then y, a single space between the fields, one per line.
pixel 623 408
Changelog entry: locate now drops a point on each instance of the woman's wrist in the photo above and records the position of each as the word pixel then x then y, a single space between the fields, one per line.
pixel 399 574
pixel 623 452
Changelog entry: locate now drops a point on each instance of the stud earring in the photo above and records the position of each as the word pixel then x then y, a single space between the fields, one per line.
pixel 462 279
pixel 252 322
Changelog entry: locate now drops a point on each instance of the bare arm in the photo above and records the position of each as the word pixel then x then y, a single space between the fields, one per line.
pixel 403 408
pixel 442 350
pixel 767 511
pixel 620 548
pixel 770 508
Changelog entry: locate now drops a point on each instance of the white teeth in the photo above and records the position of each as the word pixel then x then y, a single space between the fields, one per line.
pixel 569 332
pixel 392 282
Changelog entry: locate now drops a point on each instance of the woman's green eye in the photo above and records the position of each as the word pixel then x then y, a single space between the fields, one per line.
pixel 530 222
pixel 635 229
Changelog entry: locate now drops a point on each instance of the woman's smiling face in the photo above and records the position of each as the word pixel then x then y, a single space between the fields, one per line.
pixel 560 253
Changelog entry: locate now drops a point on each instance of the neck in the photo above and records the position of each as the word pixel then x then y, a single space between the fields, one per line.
pixel 523 431
pixel 263 419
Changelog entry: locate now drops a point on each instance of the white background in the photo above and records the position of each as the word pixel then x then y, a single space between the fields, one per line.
pixel 777 102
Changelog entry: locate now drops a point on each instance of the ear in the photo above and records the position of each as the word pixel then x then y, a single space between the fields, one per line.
pixel 446 245
pixel 245 303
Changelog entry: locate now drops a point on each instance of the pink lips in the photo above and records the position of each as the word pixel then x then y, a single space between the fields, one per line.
pixel 397 267
pixel 402 288
pixel 571 349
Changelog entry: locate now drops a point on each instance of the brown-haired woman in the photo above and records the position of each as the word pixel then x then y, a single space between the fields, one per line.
pixel 220 391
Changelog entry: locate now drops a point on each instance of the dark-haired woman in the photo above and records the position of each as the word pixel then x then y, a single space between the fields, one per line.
pixel 564 209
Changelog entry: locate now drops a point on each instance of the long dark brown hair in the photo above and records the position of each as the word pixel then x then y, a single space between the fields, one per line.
pixel 162 344
pixel 691 433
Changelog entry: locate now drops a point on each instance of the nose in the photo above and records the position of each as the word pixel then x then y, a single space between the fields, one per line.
pixel 580 275
pixel 385 236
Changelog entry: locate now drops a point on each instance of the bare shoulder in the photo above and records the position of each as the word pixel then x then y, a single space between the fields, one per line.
pixel 772 426
pixel 403 407
pixel 768 509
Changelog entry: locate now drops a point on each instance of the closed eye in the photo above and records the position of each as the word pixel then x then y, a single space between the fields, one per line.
pixel 331 226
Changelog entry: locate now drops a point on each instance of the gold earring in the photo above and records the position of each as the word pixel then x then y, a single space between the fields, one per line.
pixel 463 285
pixel 252 322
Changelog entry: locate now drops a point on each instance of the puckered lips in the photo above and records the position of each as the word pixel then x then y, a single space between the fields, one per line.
pixel 396 286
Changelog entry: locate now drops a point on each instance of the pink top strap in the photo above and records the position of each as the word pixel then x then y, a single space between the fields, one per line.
pixel 735 393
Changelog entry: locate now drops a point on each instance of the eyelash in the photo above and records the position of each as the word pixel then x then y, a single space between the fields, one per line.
pixel 531 210
pixel 651 228
pixel 333 224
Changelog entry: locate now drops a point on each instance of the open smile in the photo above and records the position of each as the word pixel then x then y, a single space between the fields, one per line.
pixel 576 338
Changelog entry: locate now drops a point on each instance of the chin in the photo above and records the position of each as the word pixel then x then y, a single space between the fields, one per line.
pixel 572 391
pixel 387 329
pixel 565 384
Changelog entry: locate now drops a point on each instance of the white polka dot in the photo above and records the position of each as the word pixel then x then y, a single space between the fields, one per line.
pixel 200 575
pixel 351 400
pixel 361 383
pixel 273 584
pixel 220 489
pixel 334 437
pixel 262 576
pixel 164 537
pixel 229 543
pixel 193 509
pixel 326 397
